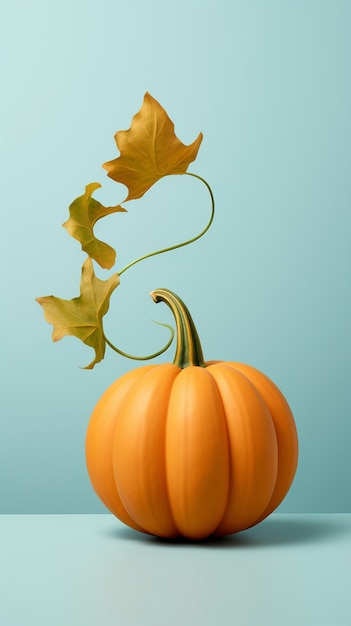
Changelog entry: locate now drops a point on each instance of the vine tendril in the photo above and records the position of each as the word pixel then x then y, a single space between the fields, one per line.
pixel 161 251
pixel 184 243
pixel 150 356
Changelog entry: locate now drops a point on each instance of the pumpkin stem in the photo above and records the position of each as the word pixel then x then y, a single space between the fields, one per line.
pixel 188 347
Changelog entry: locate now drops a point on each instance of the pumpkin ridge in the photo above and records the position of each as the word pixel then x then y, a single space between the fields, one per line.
pixel 139 463
pixel 285 430
pixel 230 460
pixel 247 377
pixel 99 439
pixel 252 449
pixel 196 453
pixel 130 392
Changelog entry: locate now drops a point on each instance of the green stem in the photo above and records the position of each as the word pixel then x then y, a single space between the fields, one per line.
pixel 184 243
pixel 144 358
pixel 188 349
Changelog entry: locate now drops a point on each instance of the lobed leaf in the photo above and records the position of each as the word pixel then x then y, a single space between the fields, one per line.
pixel 149 150
pixel 85 211
pixel 82 316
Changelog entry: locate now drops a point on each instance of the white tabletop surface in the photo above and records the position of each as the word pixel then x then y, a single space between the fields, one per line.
pixel 91 570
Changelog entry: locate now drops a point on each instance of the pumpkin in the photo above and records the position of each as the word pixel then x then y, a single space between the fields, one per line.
pixel 191 448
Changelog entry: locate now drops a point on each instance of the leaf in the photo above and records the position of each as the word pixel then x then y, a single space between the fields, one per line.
pixel 85 211
pixel 82 316
pixel 149 150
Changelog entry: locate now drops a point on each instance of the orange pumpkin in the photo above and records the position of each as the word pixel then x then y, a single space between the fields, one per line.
pixel 191 448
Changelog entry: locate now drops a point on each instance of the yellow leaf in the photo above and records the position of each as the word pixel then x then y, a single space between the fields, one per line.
pixel 85 211
pixel 149 150
pixel 82 316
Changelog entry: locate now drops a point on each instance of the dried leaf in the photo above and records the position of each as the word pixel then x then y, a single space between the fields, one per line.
pixel 85 211
pixel 82 316
pixel 149 150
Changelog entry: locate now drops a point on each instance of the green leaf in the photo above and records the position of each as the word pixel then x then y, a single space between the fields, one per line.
pixel 85 211
pixel 149 150
pixel 82 316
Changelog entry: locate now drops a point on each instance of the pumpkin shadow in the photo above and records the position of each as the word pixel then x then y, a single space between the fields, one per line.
pixel 280 530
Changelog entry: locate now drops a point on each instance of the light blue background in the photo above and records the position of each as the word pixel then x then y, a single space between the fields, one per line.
pixel 268 83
